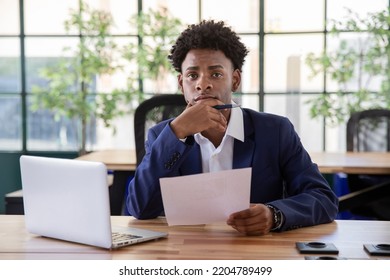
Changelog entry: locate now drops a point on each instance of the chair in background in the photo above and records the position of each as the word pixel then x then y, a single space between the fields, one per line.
pixel 152 111
pixel 369 131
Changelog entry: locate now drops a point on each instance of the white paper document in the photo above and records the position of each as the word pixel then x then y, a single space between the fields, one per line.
pixel 207 197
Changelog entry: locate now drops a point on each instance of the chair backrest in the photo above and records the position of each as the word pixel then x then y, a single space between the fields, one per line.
pixel 152 111
pixel 369 131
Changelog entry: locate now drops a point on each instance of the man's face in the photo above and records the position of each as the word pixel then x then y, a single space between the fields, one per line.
pixel 208 73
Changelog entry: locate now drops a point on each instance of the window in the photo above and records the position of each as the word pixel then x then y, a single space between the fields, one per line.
pixel 278 33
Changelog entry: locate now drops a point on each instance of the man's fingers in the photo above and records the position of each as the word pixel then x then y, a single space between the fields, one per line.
pixel 251 221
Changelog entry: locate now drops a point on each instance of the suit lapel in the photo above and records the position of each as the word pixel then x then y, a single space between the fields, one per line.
pixel 193 163
pixel 243 153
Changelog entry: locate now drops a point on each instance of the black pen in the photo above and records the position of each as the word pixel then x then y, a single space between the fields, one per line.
pixel 226 106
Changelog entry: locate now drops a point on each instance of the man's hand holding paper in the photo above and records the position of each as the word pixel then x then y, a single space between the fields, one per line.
pixel 207 197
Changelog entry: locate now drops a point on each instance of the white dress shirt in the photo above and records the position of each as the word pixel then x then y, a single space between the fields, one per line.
pixel 221 158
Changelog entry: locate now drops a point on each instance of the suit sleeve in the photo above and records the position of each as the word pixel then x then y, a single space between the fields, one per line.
pixel 308 198
pixel 163 156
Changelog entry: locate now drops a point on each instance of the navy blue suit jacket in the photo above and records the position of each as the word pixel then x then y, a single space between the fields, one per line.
pixel 283 174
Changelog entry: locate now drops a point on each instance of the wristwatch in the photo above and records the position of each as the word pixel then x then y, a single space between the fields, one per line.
pixel 278 217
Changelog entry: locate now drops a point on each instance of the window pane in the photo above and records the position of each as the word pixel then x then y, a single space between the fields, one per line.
pixel 250 70
pixel 285 68
pixel 118 80
pixel 187 11
pixel 242 15
pixel 9 17
pixel 310 130
pixel 9 66
pixel 42 52
pixel 167 84
pixel 248 101
pixel 121 12
pixel 361 44
pixel 166 81
pixel 337 8
pixel 10 123
pixel 123 138
pixel 57 13
pixel 297 15
pixel 47 16
pixel 294 107
pixel 336 133
pixel 48 133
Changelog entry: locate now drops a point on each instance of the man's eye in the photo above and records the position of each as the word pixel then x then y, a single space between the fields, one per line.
pixel 217 75
pixel 192 76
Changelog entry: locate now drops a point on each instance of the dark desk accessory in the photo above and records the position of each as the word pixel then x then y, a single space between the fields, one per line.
pixel 320 258
pixel 317 247
pixel 378 249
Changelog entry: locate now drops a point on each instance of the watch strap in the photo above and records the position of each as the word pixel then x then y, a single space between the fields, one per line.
pixel 277 217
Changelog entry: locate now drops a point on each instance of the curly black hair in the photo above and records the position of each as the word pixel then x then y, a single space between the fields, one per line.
pixel 208 35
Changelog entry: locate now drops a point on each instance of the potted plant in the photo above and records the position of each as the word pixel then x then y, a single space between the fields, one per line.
pixel 354 66
pixel 71 80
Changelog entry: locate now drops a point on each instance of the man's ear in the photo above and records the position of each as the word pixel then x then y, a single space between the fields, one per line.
pixel 180 82
pixel 236 80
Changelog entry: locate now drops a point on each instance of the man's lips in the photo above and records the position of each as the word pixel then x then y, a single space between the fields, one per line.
pixel 202 97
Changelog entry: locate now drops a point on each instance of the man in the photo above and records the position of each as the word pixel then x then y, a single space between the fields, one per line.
pixel 287 189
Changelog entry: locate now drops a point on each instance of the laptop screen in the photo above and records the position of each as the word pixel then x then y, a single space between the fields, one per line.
pixel 66 199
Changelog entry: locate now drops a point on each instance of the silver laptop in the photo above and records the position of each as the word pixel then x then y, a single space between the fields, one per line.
pixel 69 200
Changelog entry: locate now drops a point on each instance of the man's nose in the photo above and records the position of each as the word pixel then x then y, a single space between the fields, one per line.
pixel 203 84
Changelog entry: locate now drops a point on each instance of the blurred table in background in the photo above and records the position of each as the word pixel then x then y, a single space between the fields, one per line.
pixel 367 163
pixel 352 163
pixel 122 163
pixel 116 160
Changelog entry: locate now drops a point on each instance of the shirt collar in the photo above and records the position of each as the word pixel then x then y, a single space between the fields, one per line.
pixel 236 124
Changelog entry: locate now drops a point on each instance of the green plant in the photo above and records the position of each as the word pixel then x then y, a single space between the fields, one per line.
pixel 355 64
pixel 157 31
pixel 70 89
pixel 69 92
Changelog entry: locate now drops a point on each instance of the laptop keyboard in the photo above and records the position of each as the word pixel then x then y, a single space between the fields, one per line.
pixel 123 238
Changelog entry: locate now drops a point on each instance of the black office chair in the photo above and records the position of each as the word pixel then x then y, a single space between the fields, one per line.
pixel 370 131
pixel 152 111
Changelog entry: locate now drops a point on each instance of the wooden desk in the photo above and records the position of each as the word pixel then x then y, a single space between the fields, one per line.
pixel 215 241
pixel 116 160
pixel 352 163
